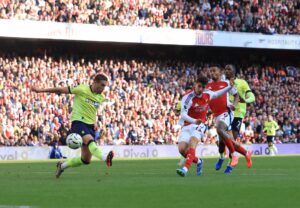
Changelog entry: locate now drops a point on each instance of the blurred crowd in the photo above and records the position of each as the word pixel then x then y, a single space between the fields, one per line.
pixel 140 103
pixel 259 16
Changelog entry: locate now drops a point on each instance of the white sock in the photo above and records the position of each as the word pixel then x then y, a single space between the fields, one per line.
pixel 103 157
pixel 181 162
pixel 275 149
pixel 64 165
pixel 185 169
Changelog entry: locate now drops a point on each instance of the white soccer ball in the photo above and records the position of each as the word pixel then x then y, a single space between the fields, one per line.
pixel 74 141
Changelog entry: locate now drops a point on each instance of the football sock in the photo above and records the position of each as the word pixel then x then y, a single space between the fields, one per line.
pixel 230 145
pixel 196 159
pixel 73 162
pixel 271 149
pixel 241 150
pixel 95 151
pixel 275 149
pixel 222 155
pixel 190 157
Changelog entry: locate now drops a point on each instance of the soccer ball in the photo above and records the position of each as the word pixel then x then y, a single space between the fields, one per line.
pixel 74 141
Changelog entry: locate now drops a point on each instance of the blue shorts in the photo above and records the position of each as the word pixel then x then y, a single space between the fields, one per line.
pixel 270 139
pixel 82 128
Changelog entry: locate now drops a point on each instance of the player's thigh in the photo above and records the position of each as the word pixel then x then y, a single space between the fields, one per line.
pixel 198 132
pixel 224 120
pixel 185 134
pixel 87 138
pixel 182 146
pixel 193 142
pixel 86 131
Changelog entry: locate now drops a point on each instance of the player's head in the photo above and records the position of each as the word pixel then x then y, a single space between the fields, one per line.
pixel 230 71
pixel 200 85
pixel 270 117
pixel 99 83
pixel 215 73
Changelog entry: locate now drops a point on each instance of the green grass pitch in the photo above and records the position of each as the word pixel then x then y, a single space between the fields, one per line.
pixel 272 182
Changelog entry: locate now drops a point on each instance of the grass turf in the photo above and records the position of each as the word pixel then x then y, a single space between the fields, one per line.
pixel 272 182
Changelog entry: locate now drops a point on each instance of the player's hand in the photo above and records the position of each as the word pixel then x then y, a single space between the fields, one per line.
pixel 231 81
pixel 232 107
pixel 198 121
pixel 34 89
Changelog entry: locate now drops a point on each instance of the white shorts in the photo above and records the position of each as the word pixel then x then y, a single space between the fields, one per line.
pixel 227 118
pixel 192 130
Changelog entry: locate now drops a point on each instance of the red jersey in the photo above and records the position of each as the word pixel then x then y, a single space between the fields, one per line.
pixel 219 105
pixel 195 107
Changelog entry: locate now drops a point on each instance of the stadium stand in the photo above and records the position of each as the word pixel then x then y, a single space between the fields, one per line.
pixel 140 101
pixel 267 17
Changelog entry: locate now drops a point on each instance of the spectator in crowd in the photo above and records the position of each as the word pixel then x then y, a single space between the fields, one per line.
pixel 140 106
pixel 267 17
pixel 55 152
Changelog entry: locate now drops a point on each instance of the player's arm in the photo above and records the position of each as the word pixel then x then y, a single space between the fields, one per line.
pixel 216 94
pixel 276 126
pixel 265 127
pixel 184 112
pixel 57 90
pixel 235 101
pixel 249 96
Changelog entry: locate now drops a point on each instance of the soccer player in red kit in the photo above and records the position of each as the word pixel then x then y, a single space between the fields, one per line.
pixel 223 113
pixel 194 106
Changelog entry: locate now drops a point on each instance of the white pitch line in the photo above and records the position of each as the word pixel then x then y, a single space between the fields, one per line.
pixel 16 206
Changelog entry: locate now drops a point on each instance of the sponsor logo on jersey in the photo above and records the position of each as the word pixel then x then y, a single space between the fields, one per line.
pixel 95 104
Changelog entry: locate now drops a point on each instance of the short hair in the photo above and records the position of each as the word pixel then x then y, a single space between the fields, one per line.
pixel 100 77
pixel 216 66
pixel 231 67
pixel 202 80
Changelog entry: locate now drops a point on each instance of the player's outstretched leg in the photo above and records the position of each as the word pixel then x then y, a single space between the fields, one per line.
pixel 73 162
pixel 96 152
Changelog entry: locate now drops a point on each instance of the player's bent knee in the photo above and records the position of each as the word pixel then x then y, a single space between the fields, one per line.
pixel 85 161
pixel 183 152
pixel 87 139
pixel 221 132
pixel 193 142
